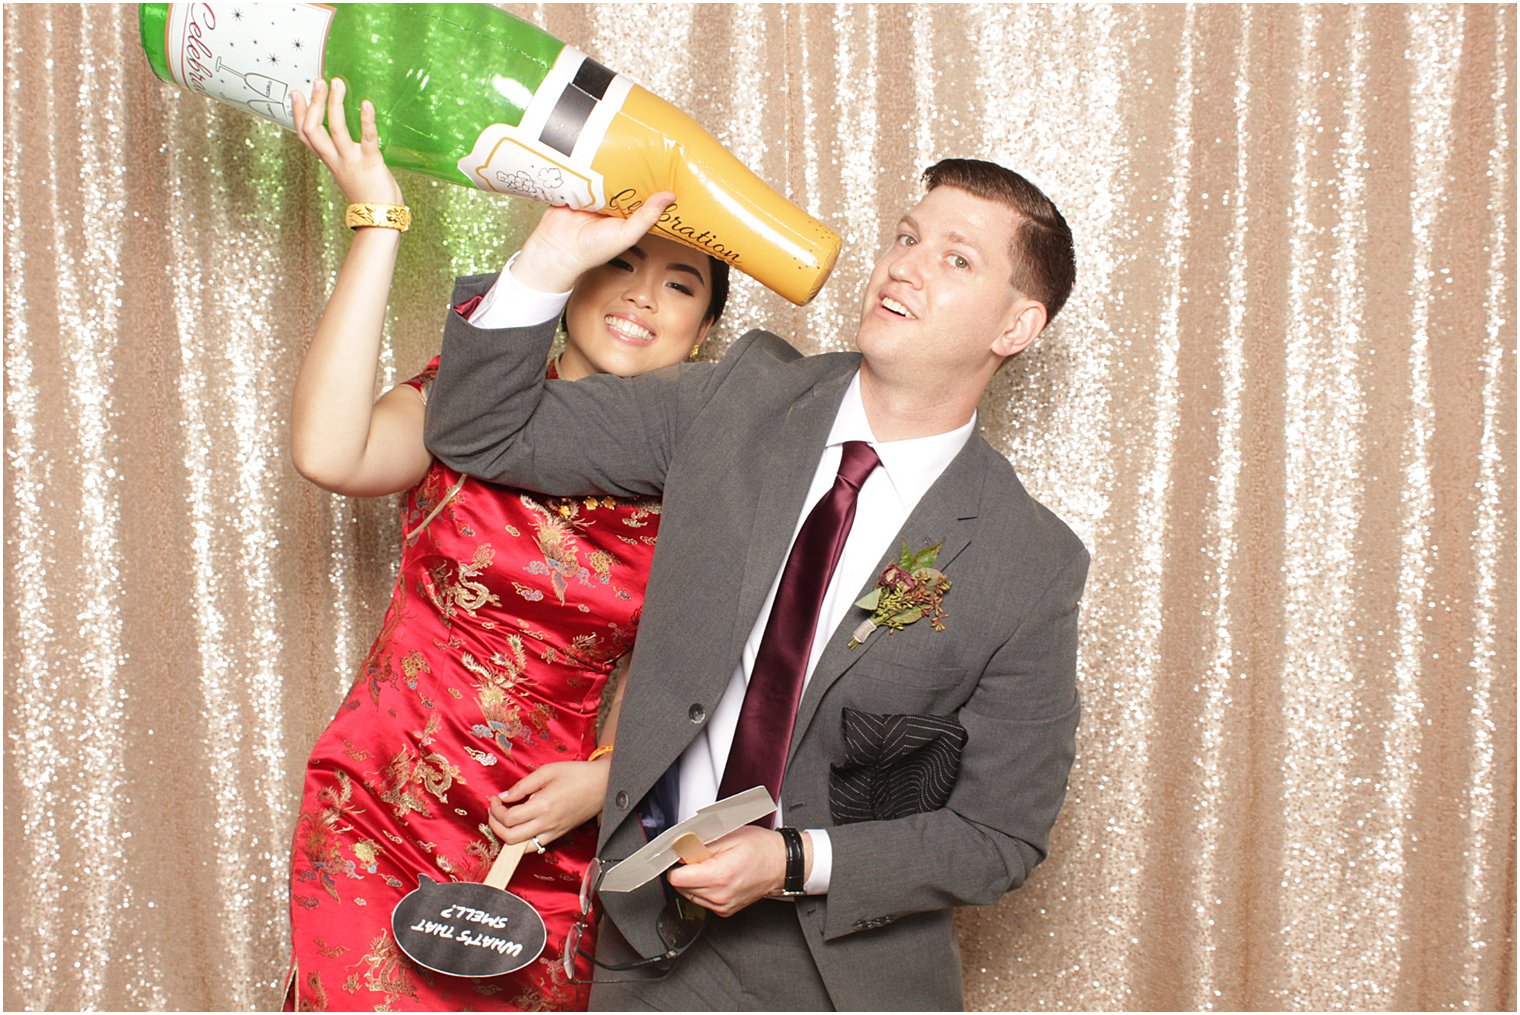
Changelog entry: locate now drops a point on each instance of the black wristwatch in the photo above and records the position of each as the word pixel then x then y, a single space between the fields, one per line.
pixel 795 861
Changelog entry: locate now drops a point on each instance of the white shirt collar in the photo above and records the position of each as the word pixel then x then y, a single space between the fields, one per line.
pixel 913 465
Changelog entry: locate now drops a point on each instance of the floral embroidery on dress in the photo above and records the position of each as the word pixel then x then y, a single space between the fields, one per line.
pixel 386 971
pixel 506 722
pixel 641 514
pixel 377 669
pixel 411 773
pixel 435 496
pixel 549 994
pixel 555 538
pixel 319 836
pixel 413 664
pixel 331 951
pixel 505 669
pixel 367 851
pixel 316 994
pixel 601 563
pixel 483 757
pixel 453 586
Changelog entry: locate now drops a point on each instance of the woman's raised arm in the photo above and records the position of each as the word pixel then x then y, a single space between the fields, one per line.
pixel 341 438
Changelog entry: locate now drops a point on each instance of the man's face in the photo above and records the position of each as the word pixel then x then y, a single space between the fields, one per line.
pixel 940 297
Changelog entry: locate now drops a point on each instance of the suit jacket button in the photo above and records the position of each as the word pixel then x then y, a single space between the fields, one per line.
pixel 621 800
pixel 698 714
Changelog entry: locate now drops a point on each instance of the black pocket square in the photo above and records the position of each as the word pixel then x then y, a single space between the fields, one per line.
pixel 895 765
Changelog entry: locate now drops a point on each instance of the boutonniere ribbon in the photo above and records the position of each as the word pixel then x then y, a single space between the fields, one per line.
pixel 906 593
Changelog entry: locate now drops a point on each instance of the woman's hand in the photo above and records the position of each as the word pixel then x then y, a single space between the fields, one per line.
pixel 550 801
pixel 358 168
pixel 567 243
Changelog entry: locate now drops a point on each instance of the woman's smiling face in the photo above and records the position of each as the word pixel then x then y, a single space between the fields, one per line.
pixel 642 310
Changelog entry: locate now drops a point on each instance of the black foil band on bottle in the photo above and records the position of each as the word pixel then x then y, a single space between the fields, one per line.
pixel 563 127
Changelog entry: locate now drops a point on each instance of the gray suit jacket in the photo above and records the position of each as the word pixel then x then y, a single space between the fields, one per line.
pixel 732 447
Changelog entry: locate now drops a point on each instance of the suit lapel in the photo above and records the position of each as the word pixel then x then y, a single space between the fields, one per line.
pixel 946 514
pixel 787 469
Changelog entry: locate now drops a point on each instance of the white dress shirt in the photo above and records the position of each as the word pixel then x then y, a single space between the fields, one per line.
pixel 889 495
pixel 510 304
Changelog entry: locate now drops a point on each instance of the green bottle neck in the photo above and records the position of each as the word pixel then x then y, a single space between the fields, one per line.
pixel 152 23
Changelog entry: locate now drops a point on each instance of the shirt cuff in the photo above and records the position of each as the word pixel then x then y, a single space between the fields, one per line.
pixel 510 304
pixel 817 882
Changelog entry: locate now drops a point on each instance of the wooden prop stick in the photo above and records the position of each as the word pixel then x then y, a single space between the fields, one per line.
pixel 505 865
pixel 691 849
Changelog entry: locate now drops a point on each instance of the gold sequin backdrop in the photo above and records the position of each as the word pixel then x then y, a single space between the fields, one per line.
pixel 1280 409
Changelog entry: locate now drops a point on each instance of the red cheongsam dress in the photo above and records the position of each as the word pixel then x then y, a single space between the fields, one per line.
pixel 508 613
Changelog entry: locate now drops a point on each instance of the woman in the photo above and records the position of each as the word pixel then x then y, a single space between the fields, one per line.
pixel 509 612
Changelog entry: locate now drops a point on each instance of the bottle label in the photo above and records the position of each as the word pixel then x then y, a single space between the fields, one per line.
pixel 547 157
pixel 248 54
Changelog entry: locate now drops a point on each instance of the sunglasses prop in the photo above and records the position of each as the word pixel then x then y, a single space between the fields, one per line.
pixel 461 928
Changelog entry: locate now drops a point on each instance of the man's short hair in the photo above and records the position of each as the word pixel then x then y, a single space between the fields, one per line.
pixel 1044 258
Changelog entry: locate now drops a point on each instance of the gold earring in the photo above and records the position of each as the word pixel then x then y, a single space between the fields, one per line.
pixel 695 350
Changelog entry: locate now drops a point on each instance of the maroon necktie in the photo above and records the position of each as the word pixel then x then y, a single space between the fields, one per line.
pixel 758 754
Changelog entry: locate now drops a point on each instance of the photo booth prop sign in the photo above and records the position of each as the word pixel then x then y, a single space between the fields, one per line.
pixel 466 929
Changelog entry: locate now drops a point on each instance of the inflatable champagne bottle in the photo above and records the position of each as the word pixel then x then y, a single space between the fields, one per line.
pixel 470 94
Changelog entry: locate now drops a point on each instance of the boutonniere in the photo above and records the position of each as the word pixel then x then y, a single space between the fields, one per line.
pixel 906 592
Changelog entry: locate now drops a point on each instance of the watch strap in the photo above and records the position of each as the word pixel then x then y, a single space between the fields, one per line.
pixel 795 861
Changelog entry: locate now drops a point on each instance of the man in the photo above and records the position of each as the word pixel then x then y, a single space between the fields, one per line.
pixel 773 466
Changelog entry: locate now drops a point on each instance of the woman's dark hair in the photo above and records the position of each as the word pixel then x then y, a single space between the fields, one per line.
pixel 717 295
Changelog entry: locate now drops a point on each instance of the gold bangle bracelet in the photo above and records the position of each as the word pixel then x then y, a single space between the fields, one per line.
pixel 600 752
pixel 380 216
